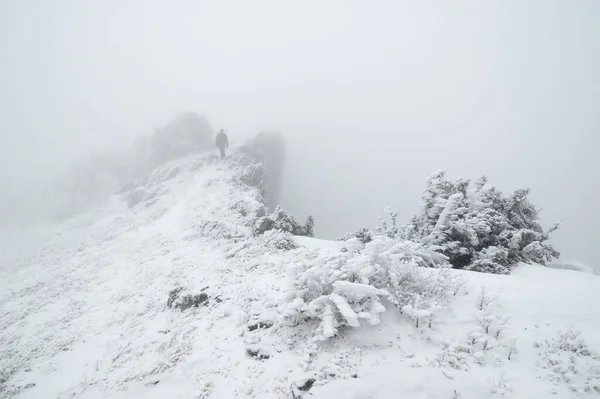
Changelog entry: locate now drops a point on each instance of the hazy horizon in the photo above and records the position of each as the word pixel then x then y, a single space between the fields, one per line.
pixel 371 97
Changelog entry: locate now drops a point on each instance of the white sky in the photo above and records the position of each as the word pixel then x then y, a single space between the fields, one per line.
pixel 372 96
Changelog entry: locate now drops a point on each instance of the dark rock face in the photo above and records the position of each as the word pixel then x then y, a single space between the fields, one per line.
pixel 269 148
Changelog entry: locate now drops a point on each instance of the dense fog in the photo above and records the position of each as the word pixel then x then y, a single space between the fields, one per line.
pixel 371 97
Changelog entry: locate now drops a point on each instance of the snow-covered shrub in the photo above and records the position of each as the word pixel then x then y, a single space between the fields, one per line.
pixel 568 360
pixel 455 355
pixel 339 289
pixel 283 221
pixel 279 240
pixel 364 235
pixel 484 301
pixel 418 292
pixel 253 175
pixel 409 251
pixel 490 260
pixel 309 227
pixel 334 291
pixel 491 322
pixel 500 386
pixel 485 342
pixel 571 341
pixel 389 227
pixel 477 227
pixel 219 228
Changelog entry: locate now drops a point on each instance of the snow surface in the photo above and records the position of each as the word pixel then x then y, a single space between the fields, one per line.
pixel 315 243
pixel 83 313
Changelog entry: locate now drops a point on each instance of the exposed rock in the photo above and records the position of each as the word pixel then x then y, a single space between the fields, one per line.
pixel 257 353
pixel 183 302
pixel 260 324
pixel 307 385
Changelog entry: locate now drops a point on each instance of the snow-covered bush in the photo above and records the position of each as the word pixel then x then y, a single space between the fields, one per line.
pixel 486 342
pixel 389 227
pixel 253 175
pixel 571 341
pixel 339 289
pixel 283 221
pixel 335 292
pixel 409 251
pixel 279 240
pixel 477 227
pixel 455 355
pixel 419 292
pixel 490 260
pixel 568 360
pixel 364 235
pixel 490 321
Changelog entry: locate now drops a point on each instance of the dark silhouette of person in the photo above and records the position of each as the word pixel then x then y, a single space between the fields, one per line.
pixel 222 142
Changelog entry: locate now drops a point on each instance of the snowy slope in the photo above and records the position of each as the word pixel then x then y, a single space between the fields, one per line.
pixel 84 314
pixel 573 265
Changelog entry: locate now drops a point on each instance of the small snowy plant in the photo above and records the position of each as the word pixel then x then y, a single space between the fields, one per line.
pixel 334 292
pixel 279 240
pixel 567 359
pixel 512 348
pixel 491 322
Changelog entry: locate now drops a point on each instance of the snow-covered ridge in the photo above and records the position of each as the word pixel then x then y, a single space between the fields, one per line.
pixel 84 314
pixel 98 284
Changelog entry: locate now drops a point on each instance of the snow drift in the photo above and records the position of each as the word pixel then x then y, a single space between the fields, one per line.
pixel 572 265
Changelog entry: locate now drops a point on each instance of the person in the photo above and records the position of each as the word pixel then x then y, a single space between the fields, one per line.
pixel 222 142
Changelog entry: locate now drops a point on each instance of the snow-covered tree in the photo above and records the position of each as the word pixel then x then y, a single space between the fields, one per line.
pixel 478 228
